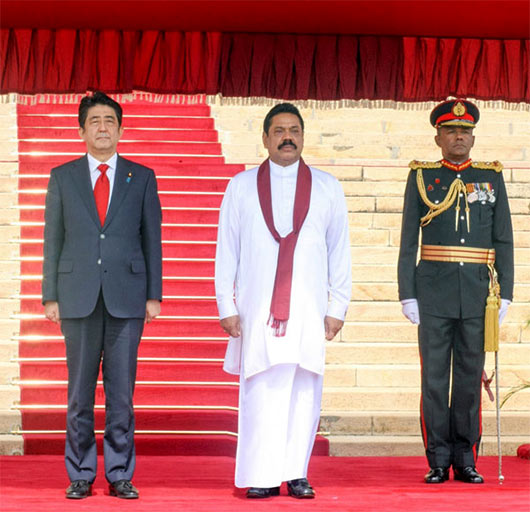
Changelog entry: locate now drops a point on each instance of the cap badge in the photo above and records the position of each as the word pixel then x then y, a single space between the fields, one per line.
pixel 459 109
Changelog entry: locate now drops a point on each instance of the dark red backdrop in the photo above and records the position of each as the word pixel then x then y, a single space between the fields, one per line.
pixel 405 50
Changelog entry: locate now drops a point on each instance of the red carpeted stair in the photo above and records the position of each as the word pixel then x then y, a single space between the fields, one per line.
pixel 185 403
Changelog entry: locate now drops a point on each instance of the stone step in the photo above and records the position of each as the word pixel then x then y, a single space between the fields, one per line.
pixel 408 446
pixel 9 395
pixel 342 375
pixel 8 372
pixel 10 420
pixel 396 423
pixel 325 133
pixel 376 238
pixel 390 311
pixel 392 206
pixel 401 330
pixel 8 350
pixel 388 292
pixel 385 213
pixel 11 444
pixel 376 146
pixel 405 375
pixel 242 118
pixel 348 446
pixel 407 353
pixel 402 399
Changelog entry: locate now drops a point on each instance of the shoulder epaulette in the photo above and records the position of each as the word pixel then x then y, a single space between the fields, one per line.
pixel 492 166
pixel 417 164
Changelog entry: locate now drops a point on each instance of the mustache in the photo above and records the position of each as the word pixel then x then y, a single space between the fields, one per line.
pixel 287 142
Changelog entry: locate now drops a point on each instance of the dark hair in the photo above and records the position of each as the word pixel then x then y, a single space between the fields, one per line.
pixel 281 108
pixel 97 98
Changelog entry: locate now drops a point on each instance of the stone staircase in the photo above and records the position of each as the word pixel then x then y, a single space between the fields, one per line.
pixel 371 395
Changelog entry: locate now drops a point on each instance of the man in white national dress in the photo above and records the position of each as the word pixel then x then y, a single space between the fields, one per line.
pixel 283 246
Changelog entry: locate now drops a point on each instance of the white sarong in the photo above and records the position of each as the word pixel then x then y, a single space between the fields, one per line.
pixel 279 412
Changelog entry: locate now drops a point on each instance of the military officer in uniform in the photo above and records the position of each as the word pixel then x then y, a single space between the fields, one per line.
pixel 462 209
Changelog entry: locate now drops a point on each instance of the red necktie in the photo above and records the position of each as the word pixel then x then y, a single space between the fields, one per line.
pixel 101 193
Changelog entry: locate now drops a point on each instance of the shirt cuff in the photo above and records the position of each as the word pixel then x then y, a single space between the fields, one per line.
pixel 336 310
pixel 226 308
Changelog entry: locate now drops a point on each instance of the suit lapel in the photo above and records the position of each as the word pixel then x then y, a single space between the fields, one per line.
pixel 81 178
pixel 119 189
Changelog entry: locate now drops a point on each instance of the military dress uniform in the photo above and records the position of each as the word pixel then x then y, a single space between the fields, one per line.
pixel 469 236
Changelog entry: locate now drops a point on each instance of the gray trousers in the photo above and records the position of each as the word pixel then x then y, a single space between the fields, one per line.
pixel 112 342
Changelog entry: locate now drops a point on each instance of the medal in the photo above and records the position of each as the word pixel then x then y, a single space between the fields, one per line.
pixel 482 192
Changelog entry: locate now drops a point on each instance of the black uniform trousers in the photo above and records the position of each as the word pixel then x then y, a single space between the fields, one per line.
pixel 101 338
pixel 451 401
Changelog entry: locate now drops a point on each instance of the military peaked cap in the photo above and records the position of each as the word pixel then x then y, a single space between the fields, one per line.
pixel 455 113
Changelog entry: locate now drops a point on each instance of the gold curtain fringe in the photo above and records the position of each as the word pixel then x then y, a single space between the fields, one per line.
pixel 75 98
pixel 219 99
pixel 8 98
pixel 261 101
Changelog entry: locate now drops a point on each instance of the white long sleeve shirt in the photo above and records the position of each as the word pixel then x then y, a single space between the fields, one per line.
pixel 246 263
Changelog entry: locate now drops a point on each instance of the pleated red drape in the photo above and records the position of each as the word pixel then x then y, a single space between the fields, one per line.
pixel 311 67
pixel 320 67
pixel 74 61
pixel 489 69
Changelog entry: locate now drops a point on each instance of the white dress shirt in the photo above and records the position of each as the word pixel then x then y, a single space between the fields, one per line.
pixel 246 261
pixel 95 173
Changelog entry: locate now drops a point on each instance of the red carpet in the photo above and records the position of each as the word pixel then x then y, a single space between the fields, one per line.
pixel 205 484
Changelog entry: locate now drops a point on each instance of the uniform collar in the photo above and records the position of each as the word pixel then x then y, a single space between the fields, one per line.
pixel 456 167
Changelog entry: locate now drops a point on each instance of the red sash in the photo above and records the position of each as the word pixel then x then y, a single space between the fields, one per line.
pixel 281 295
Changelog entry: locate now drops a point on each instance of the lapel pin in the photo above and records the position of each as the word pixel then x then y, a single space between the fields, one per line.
pixel 129 176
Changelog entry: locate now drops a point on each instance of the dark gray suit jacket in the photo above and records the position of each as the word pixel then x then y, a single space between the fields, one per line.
pixel 123 259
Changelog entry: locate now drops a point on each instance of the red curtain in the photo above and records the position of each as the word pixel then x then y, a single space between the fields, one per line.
pixel 311 67
pixel 74 61
pixel 488 69
pixel 320 67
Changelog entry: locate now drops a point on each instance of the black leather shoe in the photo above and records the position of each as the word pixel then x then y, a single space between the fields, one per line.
pixel 123 489
pixel 262 492
pixel 78 490
pixel 300 488
pixel 469 475
pixel 437 476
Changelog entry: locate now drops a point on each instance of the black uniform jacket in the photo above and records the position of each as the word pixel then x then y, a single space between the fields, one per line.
pixel 452 289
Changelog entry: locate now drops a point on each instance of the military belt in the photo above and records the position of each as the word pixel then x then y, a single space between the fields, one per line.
pixel 457 254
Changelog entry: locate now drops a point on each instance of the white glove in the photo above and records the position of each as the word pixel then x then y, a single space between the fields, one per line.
pixel 503 309
pixel 411 311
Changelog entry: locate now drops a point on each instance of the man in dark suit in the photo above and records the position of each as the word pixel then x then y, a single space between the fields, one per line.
pixel 102 279
pixel 462 208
